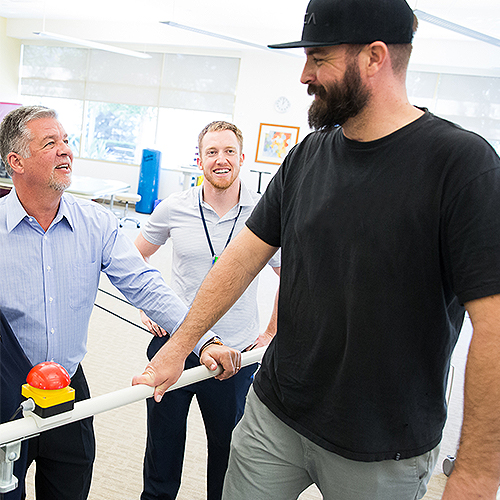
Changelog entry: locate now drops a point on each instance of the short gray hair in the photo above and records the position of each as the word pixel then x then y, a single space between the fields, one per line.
pixel 14 133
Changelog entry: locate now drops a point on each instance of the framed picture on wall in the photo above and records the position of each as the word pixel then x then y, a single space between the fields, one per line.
pixel 274 143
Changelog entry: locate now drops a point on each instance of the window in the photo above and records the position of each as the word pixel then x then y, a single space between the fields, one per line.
pixel 70 112
pixel 113 106
pixel 470 101
pixel 117 132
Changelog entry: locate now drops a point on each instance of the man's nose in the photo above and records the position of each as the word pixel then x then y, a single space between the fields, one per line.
pixel 307 75
pixel 65 150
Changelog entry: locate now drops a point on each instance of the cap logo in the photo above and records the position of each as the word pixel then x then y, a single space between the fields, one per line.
pixel 310 18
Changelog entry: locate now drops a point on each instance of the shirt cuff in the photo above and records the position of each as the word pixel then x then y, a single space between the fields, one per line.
pixel 209 335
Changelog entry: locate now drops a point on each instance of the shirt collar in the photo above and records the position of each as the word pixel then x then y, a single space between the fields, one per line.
pixel 246 199
pixel 67 202
pixel 16 212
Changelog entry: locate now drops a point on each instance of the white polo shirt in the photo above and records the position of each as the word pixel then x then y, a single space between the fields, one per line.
pixel 178 217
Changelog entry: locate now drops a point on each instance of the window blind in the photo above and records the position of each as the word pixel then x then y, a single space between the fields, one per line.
pixel 182 81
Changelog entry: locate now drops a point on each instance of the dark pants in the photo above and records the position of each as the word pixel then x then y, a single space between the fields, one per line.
pixel 221 403
pixel 14 367
pixel 64 456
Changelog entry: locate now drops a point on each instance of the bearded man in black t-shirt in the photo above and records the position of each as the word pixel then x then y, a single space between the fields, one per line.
pixel 389 223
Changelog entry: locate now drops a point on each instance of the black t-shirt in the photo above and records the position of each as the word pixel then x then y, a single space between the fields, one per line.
pixel 381 244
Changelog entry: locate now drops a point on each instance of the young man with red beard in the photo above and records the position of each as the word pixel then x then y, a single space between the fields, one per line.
pixel 201 222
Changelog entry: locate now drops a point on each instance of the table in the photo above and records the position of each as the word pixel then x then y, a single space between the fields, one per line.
pixel 188 172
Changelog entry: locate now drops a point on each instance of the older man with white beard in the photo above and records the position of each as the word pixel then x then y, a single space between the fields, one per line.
pixel 54 248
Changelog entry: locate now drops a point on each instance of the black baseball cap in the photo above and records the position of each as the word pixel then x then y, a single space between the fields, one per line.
pixel 333 22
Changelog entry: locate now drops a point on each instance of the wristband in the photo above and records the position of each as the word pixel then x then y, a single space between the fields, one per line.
pixel 213 340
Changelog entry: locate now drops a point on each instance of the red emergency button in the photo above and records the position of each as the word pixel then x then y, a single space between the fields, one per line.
pixel 48 386
pixel 48 376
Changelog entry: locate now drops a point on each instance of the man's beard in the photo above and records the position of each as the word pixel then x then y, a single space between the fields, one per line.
pixel 339 102
pixel 59 185
pixel 219 184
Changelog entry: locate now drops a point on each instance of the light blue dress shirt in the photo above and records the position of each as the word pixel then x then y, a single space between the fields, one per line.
pixel 49 279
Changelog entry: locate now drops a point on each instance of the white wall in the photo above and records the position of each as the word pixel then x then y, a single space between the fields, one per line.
pixel 462 57
pixel 10 51
pixel 264 77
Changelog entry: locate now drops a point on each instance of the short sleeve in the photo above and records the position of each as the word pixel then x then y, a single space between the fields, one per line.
pixel 472 238
pixel 265 221
pixel 157 227
pixel 471 230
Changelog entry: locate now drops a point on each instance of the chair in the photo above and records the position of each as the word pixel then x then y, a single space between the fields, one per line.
pixel 127 198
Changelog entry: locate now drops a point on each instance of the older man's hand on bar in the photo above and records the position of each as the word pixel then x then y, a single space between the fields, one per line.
pixel 168 364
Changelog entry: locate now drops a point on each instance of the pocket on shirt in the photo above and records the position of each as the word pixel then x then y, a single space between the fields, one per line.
pixel 83 291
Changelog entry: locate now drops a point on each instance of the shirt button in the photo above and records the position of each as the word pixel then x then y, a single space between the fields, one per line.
pixel 50 299
pixel 52 330
pixel 48 268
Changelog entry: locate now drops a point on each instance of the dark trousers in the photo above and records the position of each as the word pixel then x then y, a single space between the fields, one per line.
pixel 64 456
pixel 221 403
pixel 14 367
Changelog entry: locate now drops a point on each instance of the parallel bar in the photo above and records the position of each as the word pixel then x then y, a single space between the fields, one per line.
pixel 32 425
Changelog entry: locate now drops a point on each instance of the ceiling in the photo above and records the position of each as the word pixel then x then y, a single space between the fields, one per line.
pixel 258 21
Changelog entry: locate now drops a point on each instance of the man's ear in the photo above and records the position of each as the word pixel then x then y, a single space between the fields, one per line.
pixel 377 53
pixel 16 162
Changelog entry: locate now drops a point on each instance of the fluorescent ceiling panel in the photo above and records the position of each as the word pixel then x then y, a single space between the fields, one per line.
pixel 92 45
pixel 224 37
pixel 443 23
